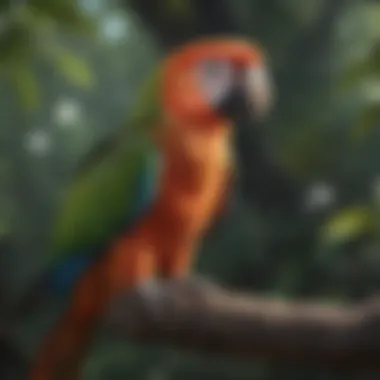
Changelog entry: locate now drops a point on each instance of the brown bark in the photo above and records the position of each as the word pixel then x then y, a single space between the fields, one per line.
pixel 212 320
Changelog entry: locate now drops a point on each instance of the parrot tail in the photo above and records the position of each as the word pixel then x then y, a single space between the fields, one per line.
pixel 65 347
pixel 126 264
pixel 58 281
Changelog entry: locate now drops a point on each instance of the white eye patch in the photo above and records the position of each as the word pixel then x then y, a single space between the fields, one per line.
pixel 261 90
pixel 215 78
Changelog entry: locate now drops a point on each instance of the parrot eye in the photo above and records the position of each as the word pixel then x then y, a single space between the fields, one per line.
pixel 216 79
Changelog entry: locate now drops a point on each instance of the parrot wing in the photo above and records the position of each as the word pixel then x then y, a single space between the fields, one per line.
pixel 113 188
pixel 111 191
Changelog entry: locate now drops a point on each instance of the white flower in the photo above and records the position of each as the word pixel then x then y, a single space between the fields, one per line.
pixel 38 142
pixel 66 112
pixel 320 195
pixel 115 27
pixel 371 91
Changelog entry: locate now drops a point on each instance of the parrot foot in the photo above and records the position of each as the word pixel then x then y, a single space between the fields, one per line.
pixel 145 299
pixel 194 288
pixel 159 294
pixel 156 299
pixel 151 292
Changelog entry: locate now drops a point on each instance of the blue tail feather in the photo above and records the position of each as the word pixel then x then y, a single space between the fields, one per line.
pixel 66 274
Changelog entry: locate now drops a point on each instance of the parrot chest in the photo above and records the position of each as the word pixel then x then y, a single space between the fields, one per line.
pixel 195 182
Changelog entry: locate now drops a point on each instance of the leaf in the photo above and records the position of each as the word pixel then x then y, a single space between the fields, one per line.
pixel 4 225
pixel 301 153
pixel 366 122
pixel 347 224
pixel 66 13
pixel 16 42
pixel 75 69
pixel 179 10
pixel 358 71
pixel 25 83
pixel 178 6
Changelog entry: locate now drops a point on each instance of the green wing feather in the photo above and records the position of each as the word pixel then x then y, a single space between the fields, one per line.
pixel 105 187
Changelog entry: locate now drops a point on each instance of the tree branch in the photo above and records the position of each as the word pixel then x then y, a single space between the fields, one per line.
pixel 215 321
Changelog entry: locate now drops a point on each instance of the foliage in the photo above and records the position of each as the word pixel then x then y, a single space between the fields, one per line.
pixel 29 34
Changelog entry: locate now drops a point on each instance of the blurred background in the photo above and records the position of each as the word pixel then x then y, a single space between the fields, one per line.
pixel 69 70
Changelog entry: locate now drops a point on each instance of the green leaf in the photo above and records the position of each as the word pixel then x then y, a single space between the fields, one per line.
pixel 366 122
pixel 301 153
pixel 181 11
pixel 75 69
pixel 358 71
pixel 26 85
pixel 16 42
pixel 66 13
pixel 5 227
pixel 178 7
pixel 347 224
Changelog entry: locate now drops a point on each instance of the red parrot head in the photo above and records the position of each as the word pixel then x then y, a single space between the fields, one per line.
pixel 216 79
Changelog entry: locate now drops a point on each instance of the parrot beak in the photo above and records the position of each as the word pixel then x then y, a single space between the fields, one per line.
pixel 250 97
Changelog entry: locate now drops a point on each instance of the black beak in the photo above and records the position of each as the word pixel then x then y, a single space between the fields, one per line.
pixel 236 105
pixel 251 96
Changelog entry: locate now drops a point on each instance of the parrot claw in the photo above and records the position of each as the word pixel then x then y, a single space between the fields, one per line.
pixel 150 291
pixel 155 297
pixel 193 288
pixel 145 299
pixel 157 293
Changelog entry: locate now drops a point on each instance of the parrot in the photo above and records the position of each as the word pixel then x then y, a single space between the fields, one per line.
pixel 141 202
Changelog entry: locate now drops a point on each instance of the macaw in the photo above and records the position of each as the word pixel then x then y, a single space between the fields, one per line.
pixel 142 202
